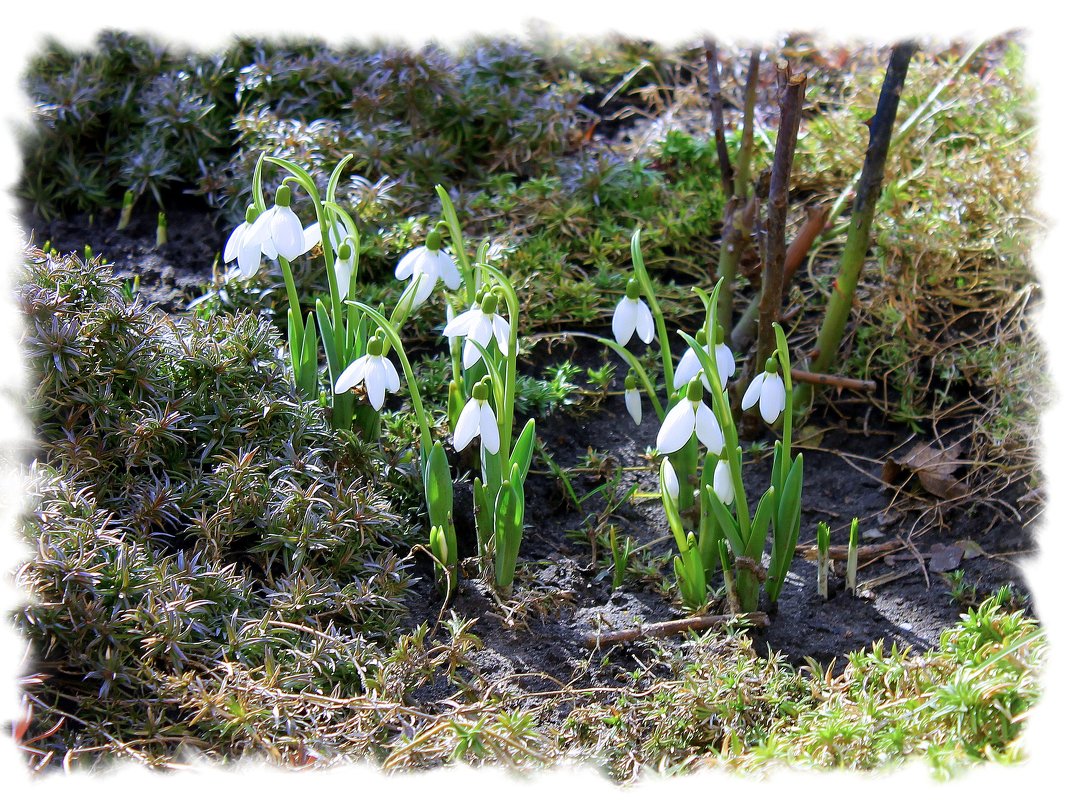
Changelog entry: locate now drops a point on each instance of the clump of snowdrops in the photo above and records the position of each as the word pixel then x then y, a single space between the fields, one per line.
pixel 701 460
pixel 357 340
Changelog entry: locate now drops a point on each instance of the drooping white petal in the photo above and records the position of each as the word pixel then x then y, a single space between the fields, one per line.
pixel 233 243
pixel 312 236
pixel 722 483
pixel 501 333
pixel 260 230
pixel 488 428
pixel 753 392
pixel 643 321
pixel 773 397
pixel 351 376
pixel 624 319
pixel 467 425
pixel 287 233
pixel 343 271
pixel 707 429
pixel 689 365
pixel 671 480
pixel 427 282
pixel 408 262
pixel 447 270
pixel 269 249
pixel 481 329
pixel 249 258
pixel 393 380
pixel 471 354
pixel 677 427
pixel 458 326
pixel 375 382
pixel 633 401
pixel 725 362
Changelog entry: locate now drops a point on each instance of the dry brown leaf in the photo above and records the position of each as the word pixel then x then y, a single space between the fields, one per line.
pixel 932 466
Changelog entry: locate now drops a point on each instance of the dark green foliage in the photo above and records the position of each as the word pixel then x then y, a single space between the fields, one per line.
pixel 188 507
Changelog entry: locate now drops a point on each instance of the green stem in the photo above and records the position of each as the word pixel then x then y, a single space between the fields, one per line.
pixel 868 193
pixel 413 389
pixel 655 308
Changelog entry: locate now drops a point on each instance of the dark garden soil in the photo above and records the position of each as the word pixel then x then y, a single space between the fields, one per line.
pixel 534 642
pixel 171 275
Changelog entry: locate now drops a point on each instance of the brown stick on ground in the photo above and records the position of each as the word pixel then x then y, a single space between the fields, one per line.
pixel 840 552
pixel 826 380
pixel 716 107
pixel 792 95
pixel 668 628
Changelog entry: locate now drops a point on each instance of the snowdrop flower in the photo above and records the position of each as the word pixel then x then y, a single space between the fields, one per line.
pixel 723 486
pixel 480 323
pixel 477 418
pixel 344 252
pixel 688 417
pixel 278 230
pixel 767 391
pixel 375 371
pixel 243 248
pixel 425 265
pixel 671 480
pixel 632 398
pixel 631 315
pixel 690 365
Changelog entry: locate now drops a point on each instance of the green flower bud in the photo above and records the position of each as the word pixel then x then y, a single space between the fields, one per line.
pixel 434 240
pixel 695 389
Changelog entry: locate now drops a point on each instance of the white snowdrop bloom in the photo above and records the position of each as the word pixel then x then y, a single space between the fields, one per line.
pixel 344 252
pixel 723 486
pixel 343 267
pixel 768 392
pixel 425 265
pixel 278 230
pixel 671 480
pixel 690 365
pixel 240 246
pixel 688 417
pixel 477 419
pixel 632 315
pixel 480 323
pixel 374 371
pixel 632 398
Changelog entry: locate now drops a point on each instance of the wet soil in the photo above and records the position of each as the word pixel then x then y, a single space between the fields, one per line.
pixel 172 275
pixel 535 641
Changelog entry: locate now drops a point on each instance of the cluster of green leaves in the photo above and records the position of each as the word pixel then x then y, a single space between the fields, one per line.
pixel 132 115
pixel 189 509
pixel 127 115
pixel 963 703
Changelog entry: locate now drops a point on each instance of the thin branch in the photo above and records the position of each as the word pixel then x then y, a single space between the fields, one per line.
pixel 881 126
pixel 716 107
pixel 668 628
pixel 824 379
pixel 816 218
pixel 792 96
pixel 736 228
